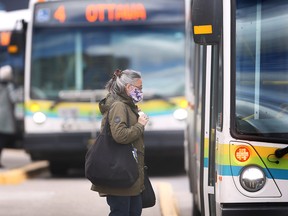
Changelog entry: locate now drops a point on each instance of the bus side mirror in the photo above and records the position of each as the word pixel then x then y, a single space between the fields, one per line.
pixel 206 21
pixel 18 38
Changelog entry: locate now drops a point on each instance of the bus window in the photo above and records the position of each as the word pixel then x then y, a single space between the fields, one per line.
pixel 261 68
pixel 82 59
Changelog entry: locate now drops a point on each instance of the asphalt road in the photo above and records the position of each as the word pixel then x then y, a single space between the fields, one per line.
pixel 70 195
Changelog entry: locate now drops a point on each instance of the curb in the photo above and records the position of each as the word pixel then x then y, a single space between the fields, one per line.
pixel 167 201
pixel 19 175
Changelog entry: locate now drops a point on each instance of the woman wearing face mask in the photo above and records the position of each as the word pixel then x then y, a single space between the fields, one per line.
pixel 125 90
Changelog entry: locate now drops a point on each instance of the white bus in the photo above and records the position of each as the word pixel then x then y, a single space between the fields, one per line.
pixel 237 127
pixel 73 47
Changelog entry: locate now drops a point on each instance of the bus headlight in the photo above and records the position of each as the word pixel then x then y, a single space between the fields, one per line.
pixel 180 114
pixel 252 178
pixel 39 117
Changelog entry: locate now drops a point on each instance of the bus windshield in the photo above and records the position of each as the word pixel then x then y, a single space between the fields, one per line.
pixel 83 58
pixel 261 101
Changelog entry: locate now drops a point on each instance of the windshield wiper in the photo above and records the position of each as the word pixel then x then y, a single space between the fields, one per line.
pixel 91 96
pixel 56 102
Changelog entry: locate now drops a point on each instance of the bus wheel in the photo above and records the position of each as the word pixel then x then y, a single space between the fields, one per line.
pixel 58 168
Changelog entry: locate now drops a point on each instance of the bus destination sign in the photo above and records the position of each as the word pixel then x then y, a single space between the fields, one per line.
pixel 89 12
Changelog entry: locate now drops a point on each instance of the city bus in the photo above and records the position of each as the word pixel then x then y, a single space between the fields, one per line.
pixel 236 135
pixel 73 48
pixel 12 22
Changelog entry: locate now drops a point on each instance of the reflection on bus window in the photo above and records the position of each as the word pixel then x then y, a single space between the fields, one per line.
pixel 83 59
pixel 262 68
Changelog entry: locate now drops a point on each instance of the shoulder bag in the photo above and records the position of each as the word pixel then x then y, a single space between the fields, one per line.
pixel 148 195
pixel 108 163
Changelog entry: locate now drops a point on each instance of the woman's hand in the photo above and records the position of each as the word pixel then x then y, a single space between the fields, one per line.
pixel 143 118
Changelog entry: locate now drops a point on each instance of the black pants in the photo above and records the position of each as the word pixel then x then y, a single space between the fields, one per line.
pixel 125 205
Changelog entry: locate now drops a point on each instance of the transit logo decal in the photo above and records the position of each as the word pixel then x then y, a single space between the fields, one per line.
pixel 242 154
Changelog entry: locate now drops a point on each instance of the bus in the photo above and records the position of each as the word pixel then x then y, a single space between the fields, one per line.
pixel 236 135
pixel 15 22
pixel 72 49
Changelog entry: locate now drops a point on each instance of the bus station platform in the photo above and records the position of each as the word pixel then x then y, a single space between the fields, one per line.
pixel 19 168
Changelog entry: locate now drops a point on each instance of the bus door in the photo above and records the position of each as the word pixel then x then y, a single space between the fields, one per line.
pixel 213 124
pixel 209 37
pixel 203 144
pixel 209 140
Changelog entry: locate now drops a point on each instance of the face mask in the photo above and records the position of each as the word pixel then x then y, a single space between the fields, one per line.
pixel 136 95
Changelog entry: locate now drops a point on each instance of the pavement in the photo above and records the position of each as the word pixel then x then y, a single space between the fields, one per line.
pixel 19 168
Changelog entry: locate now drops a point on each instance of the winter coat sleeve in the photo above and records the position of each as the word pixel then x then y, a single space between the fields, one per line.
pixel 119 125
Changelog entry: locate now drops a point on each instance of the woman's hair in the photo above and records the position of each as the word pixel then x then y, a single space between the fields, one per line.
pixel 120 79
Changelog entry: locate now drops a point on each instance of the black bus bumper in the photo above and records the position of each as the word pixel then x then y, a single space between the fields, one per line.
pixel 73 146
pixel 63 147
pixel 164 143
pixel 254 209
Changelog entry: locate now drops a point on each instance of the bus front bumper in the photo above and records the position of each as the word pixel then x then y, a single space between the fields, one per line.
pixel 164 143
pixel 254 209
pixel 48 146
pixel 57 147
